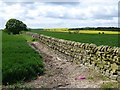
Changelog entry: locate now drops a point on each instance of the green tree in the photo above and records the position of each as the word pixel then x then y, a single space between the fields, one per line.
pixel 14 26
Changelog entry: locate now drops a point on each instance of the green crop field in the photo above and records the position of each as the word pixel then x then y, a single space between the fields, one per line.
pixel 19 61
pixel 98 39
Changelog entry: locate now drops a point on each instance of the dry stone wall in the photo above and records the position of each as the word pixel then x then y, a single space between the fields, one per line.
pixel 105 58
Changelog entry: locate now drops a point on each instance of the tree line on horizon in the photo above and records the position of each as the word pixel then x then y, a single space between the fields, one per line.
pixel 98 28
pixel 85 28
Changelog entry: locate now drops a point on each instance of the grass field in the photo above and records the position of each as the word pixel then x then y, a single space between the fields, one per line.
pixel 98 39
pixel 19 61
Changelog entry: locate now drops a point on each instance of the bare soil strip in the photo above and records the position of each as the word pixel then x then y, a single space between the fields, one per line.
pixel 59 73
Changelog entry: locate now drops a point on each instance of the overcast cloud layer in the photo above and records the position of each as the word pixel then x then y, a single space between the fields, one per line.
pixel 80 13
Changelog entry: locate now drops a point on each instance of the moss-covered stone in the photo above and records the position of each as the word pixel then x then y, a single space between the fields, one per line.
pixel 114 66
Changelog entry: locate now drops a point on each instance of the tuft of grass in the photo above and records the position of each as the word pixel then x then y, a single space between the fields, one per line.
pixel 99 76
pixel 90 78
pixel 43 86
pixel 109 85
pixel 104 78
pixel 19 86
pixel 28 38
pixel 34 39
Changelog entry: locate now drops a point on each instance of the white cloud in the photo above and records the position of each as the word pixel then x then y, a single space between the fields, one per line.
pixel 84 13
pixel 42 22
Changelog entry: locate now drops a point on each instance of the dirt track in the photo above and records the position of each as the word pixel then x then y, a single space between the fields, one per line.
pixel 59 73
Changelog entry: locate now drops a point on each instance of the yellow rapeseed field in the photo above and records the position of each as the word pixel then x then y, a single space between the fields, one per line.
pixel 85 31
pixel 96 32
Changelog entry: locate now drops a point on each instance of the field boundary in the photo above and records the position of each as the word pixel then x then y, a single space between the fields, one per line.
pixel 0 59
pixel 103 58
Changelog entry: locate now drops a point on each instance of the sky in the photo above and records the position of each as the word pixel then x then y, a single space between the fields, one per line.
pixel 60 13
